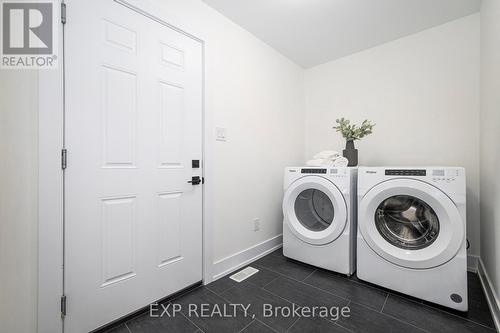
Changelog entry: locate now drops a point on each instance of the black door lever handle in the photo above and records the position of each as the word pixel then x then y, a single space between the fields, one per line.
pixel 195 180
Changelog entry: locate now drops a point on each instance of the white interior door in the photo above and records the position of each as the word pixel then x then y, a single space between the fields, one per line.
pixel 133 125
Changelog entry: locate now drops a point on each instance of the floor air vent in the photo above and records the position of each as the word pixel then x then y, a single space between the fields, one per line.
pixel 243 274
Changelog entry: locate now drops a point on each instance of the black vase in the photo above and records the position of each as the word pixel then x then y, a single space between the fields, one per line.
pixel 350 153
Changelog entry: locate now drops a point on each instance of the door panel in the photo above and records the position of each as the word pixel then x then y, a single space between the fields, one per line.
pixel 172 123
pixel 133 124
pixel 118 243
pixel 119 108
pixel 169 227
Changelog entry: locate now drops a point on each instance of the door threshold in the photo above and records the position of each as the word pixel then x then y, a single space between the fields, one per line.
pixel 144 309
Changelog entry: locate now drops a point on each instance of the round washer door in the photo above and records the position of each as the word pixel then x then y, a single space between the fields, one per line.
pixel 410 223
pixel 315 210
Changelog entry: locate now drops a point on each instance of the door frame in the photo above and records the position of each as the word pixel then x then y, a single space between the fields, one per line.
pixel 51 177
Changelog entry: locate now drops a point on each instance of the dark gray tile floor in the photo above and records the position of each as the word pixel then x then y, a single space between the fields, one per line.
pixel 285 283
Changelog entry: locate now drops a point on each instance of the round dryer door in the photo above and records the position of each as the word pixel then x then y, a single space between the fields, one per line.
pixel 315 210
pixel 410 223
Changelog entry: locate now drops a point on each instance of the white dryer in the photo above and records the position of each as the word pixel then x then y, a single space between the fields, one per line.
pixel 319 209
pixel 412 232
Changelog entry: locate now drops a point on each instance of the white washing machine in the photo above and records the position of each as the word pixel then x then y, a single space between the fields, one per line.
pixel 411 232
pixel 319 209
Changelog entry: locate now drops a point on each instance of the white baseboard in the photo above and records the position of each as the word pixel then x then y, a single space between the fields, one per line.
pixel 491 295
pixel 238 260
pixel 472 262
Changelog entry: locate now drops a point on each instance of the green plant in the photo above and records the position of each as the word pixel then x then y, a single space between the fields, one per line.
pixel 352 132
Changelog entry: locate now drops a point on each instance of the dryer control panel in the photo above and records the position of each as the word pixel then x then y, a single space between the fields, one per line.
pixel 342 177
pixel 442 175
pixel 320 171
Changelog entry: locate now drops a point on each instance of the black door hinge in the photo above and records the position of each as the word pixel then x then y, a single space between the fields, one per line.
pixel 63 13
pixel 63 305
pixel 64 158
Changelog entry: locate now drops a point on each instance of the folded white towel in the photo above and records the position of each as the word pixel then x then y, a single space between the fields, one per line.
pixel 319 162
pixel 326 154
pixel 340 162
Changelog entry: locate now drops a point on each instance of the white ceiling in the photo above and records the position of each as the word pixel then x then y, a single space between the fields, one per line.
pixel 312 32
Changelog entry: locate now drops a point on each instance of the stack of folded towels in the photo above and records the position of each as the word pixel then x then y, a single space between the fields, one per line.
pixel 328 158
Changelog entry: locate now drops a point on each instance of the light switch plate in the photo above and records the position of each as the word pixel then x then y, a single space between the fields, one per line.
pixel 220 134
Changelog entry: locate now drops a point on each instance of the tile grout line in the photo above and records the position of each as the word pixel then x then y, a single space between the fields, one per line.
pixel 457 316
pixel 325 291
pixel 337 322
pixel 391 292
pixel 385 301
pixel 303 281
pixel 188 319
pixel 244 328
pixel 282 298
pixel 387 315
pixel 289 328
pixel 223 298
pixel 299 281
pixel 347 329
pixel 307 284
pixel 220 295
pixel 442 311
pixel 128 328
pixel 286 300
pixel 390 316
pixel 272 270
pixel 309 274
pixel 228 301
pixel 369 285
pixel 405 322
pixel 300 306
pixel 263 323
pixel 276 278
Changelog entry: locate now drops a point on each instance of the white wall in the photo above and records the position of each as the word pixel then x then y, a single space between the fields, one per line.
pixel 422 91
pixel 490 139
pixel 257 94
pixel 18 201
